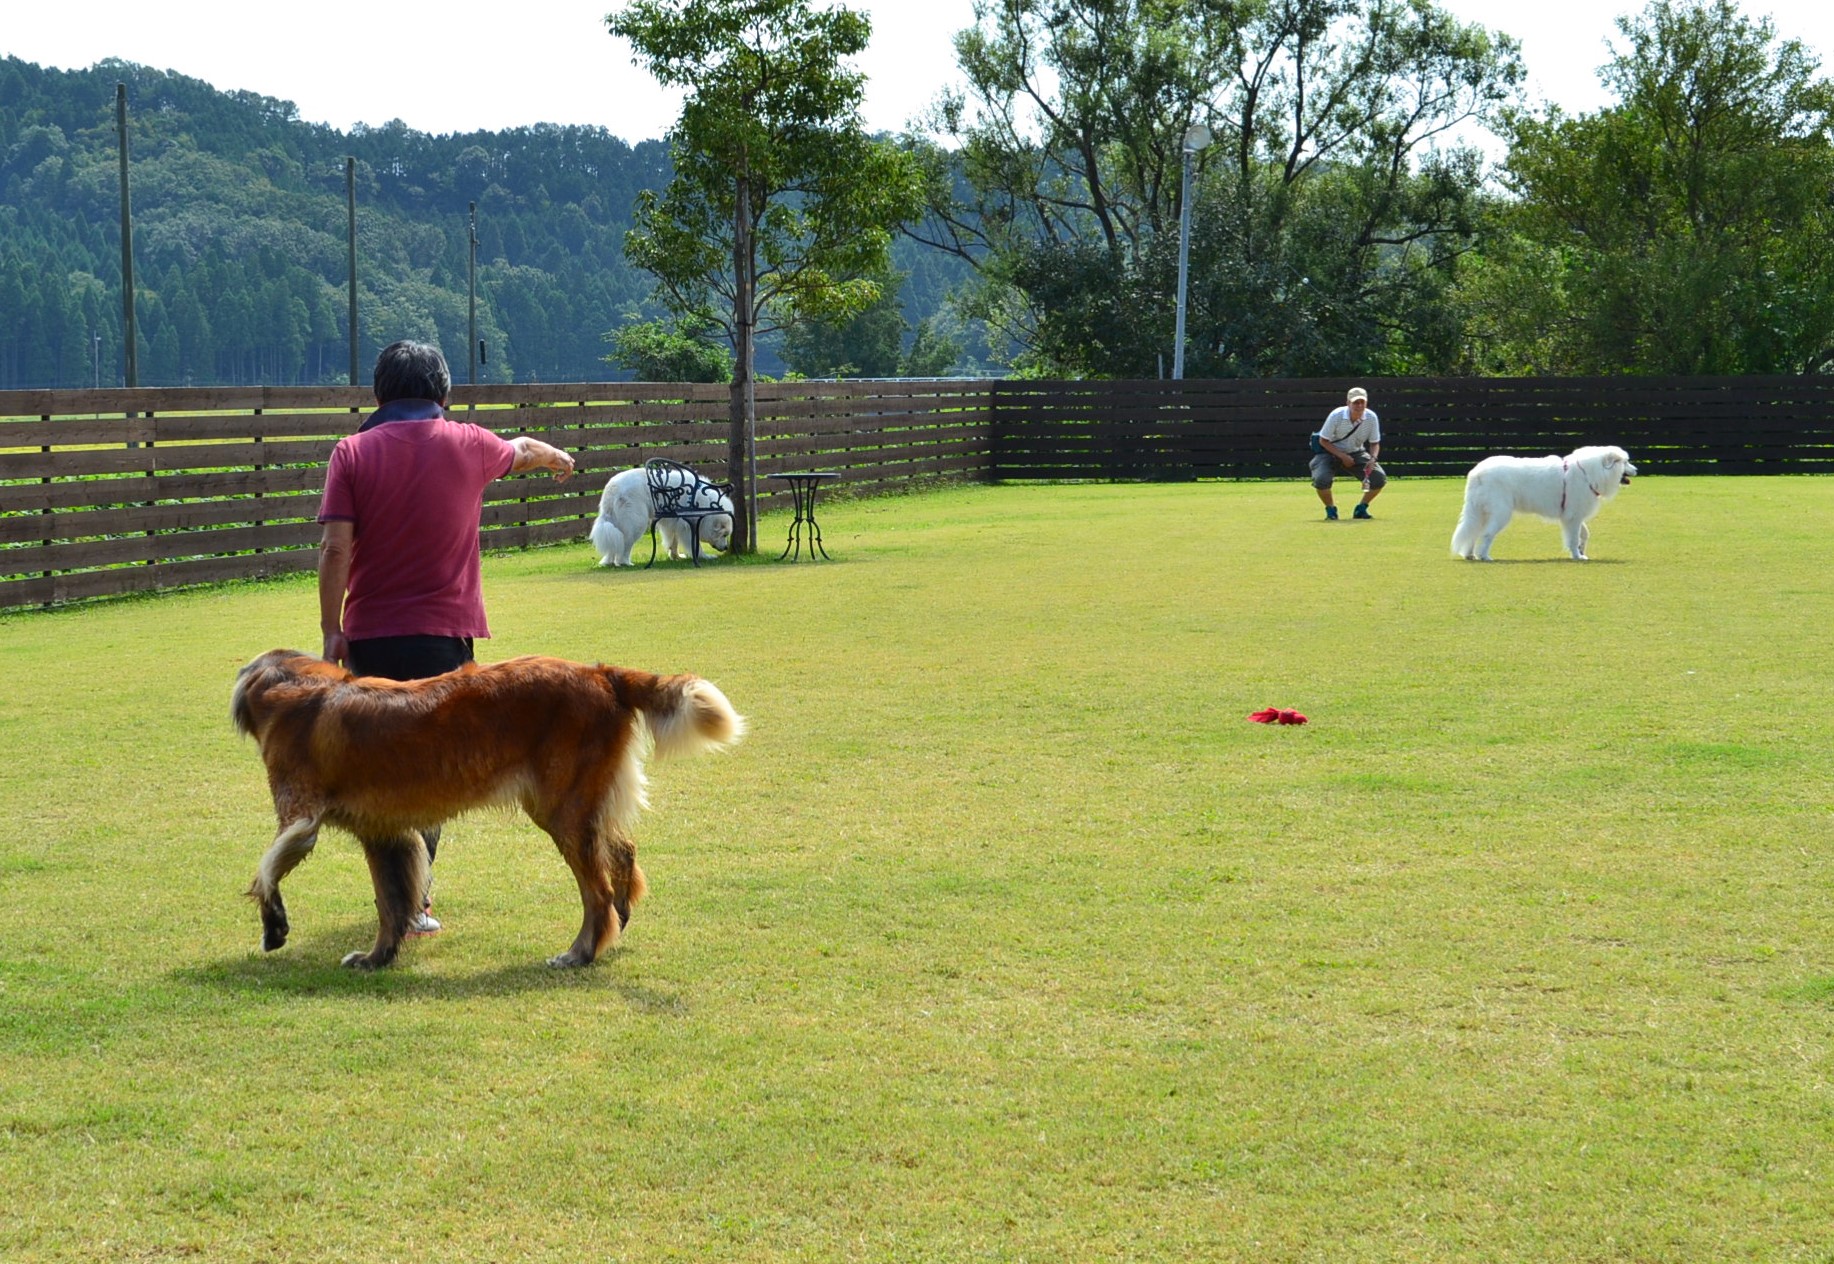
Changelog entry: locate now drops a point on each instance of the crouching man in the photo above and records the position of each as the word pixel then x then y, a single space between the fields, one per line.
pixel 1349 442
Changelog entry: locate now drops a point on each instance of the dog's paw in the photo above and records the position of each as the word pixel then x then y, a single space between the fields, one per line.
pixel 358 961
pixel 569 960
pixel 274 925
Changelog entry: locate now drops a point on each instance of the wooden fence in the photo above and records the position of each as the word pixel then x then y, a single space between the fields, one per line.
pixel 114 491
pixel 1257 429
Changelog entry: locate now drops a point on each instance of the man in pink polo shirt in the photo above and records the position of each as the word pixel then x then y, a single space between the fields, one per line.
pixel 400 592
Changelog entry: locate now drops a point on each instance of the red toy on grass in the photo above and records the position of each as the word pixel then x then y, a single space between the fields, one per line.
pixel 1274 715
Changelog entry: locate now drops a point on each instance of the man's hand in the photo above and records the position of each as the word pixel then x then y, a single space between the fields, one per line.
pixel 335 551
pixel 562 466
pixel 533 454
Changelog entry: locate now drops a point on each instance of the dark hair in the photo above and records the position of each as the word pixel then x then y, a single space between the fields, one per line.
pixel 411 370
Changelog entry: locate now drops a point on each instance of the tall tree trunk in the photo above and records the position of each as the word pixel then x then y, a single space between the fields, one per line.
pixel 743 408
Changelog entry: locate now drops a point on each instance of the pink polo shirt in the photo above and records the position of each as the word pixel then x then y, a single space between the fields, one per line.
pixel 414 489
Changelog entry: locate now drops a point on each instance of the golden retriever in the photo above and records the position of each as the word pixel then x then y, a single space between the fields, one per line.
pixel 384 760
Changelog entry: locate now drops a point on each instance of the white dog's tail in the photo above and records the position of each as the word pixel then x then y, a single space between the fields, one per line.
pixel 1470 525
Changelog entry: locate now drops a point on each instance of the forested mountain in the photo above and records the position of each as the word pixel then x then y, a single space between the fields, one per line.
pixel 240 243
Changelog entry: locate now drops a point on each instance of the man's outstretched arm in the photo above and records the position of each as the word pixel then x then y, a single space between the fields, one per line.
pixel 533 454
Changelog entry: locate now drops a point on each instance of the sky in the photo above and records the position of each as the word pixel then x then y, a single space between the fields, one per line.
pixel 551 61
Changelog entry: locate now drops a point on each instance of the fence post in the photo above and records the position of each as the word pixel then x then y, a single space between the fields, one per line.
pixel 48 514
pixel 152 477
pixel 260 494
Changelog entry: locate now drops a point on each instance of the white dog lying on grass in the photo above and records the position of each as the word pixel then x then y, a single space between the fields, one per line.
pixel 1568 489
pixel 626 511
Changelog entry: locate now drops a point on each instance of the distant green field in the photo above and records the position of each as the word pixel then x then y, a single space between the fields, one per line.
pixel 1004 936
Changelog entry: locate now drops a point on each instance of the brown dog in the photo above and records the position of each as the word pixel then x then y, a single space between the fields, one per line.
pixel 385 759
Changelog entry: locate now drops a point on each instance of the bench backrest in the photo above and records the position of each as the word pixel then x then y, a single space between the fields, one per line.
pixel 678 492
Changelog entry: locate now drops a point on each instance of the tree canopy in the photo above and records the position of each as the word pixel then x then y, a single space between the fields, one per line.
pixel 1340 223
pixel 239 237
pixel 1329 214
pixel 240 226
pixel 769 146
pixel 1688 228
pixel 780 208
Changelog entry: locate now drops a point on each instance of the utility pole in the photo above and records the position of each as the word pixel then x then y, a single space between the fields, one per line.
pixel 1196 137
pixel 127 243
pixel 471 283
pixel 350 198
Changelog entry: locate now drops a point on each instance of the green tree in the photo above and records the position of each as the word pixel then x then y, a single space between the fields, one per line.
pixel 196 351
pixel 1685 229
pixel 65 340
pixel 868 343
pixel 780 208
pixel 1327 219
pixel 934 351
pixel 663 351
pixel 13 334
pixel 162 362
pixel 233 193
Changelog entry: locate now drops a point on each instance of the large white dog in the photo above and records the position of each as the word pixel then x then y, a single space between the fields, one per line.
pixel 626 511
pixel 1568 489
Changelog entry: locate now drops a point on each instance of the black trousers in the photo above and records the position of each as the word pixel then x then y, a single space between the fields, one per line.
pixel 411 658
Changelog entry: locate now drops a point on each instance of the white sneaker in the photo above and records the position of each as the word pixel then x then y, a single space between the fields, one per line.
pixel 423 923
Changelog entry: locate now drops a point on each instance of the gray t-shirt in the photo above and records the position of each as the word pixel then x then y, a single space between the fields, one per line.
pixel 1338 427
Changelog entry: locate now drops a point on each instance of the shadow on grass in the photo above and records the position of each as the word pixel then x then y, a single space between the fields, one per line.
pixel 309 966
pixel 664 572
pixel 1547 561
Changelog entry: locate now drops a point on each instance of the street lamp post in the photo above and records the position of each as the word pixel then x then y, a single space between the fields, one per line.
pixel 1196 137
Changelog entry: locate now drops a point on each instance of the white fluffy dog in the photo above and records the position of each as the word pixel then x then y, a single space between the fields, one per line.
pixel 626 511
pixel 1568 489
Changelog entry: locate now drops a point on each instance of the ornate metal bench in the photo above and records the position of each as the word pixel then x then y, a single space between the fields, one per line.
pixel 679 493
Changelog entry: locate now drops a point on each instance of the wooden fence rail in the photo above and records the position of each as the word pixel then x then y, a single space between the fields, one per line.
pixel 1430 426
pixel 105 492
pixel 114 491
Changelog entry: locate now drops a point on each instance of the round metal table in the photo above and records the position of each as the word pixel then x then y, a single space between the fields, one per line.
pixel 803 486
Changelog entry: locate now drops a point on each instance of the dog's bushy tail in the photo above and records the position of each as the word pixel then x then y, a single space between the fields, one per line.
pixel 685 714
pixel 241 714
pixel 255 677
pixel 1465 534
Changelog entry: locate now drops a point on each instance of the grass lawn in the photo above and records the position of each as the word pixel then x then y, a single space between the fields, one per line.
pixel 1004 936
